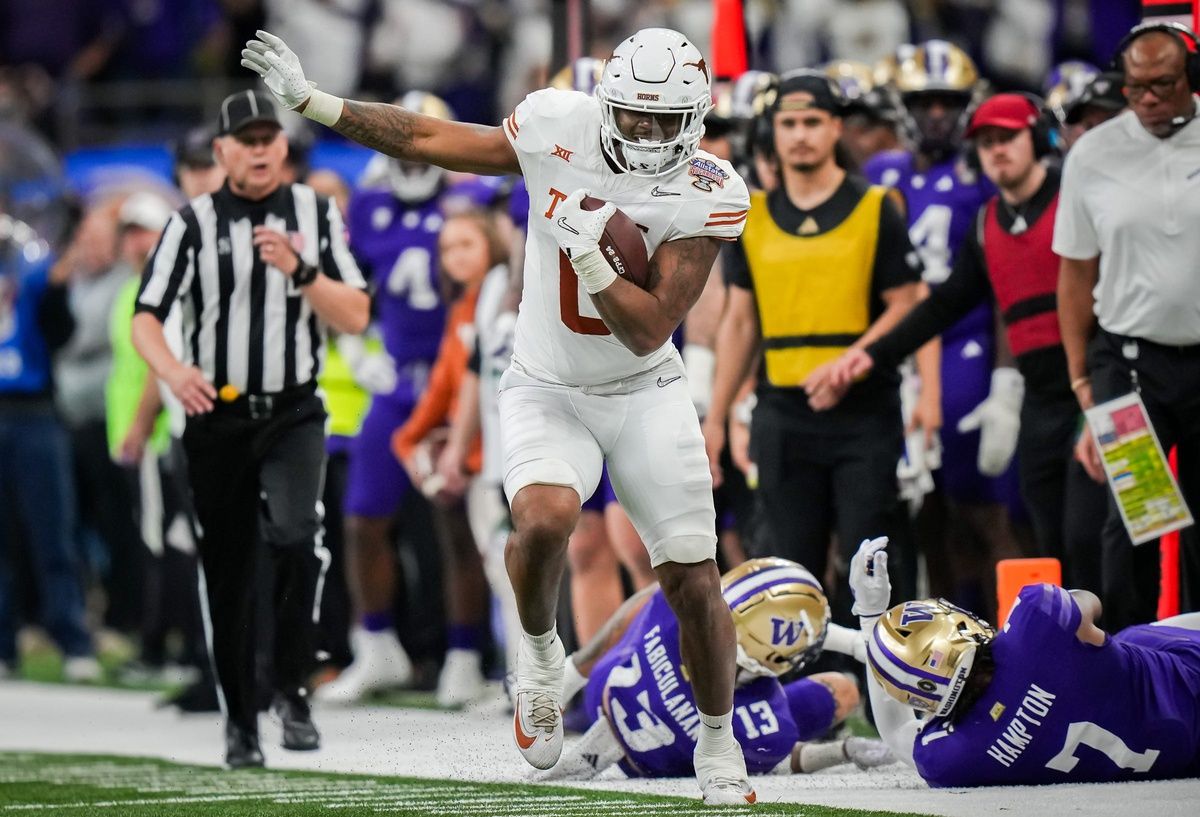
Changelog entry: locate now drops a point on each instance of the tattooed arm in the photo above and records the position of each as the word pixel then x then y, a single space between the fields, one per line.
pixel 643 319
pixel 401 133
pixel 389 129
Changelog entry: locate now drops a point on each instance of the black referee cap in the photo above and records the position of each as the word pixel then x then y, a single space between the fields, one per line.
pixel 245 108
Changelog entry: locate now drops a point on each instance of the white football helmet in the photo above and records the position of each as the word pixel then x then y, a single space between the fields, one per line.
pixel 653 97
pixel 415 182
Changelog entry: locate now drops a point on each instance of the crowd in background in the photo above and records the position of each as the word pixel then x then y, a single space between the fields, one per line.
pixel 115 501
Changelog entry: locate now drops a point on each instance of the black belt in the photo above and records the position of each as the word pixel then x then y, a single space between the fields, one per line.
pixel 266 405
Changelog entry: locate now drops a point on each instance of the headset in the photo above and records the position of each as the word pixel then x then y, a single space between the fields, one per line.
pixel 764 130
pixel 1181 33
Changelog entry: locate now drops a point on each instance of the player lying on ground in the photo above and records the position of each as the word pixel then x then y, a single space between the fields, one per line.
pixel 1050 698
pixel 639 700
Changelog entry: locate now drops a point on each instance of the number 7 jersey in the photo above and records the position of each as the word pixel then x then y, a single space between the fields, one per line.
pixel 1062 711
pixel 560 337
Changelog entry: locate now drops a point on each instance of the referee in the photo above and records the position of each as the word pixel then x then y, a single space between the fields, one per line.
pixel 257 268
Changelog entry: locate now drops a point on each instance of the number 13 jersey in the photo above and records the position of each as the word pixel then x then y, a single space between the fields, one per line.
pixel 560 337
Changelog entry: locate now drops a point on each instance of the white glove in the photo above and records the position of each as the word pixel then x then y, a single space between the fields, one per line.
pixel 374 371
pixel 914 471
pixel 270 58
pixel 578 233
pixel 998 419
pixel 869 578
pixel 868 753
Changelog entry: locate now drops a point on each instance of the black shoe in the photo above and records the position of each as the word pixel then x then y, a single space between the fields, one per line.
pixel 241 748
pixel 299 733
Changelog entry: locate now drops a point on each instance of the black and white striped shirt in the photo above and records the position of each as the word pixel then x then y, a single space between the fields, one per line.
pixel 245 323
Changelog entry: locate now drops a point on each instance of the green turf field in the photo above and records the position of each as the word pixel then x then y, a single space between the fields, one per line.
pixel 80 786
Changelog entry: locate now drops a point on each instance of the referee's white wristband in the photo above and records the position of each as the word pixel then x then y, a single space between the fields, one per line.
pixel 596 273
pixel 324 108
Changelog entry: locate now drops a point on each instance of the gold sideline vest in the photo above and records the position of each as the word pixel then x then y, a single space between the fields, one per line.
pixel 813 292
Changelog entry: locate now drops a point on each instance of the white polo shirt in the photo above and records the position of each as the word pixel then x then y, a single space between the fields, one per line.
pixel 1134 200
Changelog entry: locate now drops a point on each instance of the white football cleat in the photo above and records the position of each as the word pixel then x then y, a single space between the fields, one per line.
pixel 722 777
pixel 461 679
pixel 537 719
pixel 379 663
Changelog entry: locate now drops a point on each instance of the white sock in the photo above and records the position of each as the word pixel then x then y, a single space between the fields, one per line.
pixel 816 756
pixel 715 731
pixel 542 646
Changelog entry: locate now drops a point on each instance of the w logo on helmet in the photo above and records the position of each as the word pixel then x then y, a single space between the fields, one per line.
pixel 786 632
pixel 915 611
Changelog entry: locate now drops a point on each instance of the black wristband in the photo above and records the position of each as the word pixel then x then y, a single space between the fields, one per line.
pixel 305 274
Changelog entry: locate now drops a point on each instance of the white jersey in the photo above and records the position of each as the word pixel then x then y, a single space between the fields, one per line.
pixel 560 337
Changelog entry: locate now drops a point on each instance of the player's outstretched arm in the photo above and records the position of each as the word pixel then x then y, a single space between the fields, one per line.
pixel 1089 610
pixel 389 129
pixel 586 656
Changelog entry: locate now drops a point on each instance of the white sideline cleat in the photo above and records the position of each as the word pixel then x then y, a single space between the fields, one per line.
pixel 379 663
pixel 461 679
pixel 537 719
pixel 722 777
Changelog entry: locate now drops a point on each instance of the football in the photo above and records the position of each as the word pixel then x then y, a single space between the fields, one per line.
pixel 622 245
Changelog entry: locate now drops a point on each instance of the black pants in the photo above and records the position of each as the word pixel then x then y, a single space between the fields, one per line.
pixel 1168 379
pixel 1066 506
pixel 257 482
pixel 813 484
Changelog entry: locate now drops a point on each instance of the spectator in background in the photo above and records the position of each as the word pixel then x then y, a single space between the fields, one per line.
pixel 139 442
pixel 1129 293
pixel 469 246
pixel 69 39
pixel 196 169
pixel 871 116
pixel 106 527
pixel 809 31
pixel 1100 101
pixel 36 494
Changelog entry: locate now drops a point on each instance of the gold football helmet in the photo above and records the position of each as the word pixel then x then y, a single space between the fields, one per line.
pixel 779 612
pixel 933 66
pixel 854 78
pixel 921 652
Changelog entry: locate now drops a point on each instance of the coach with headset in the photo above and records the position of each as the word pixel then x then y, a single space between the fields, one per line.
pixel 1030 409
pixel 825 263
pixel 1129 286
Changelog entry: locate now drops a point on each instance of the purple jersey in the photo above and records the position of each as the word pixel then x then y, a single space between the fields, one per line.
pixel 396 244
pixel 642 688
pixel 1061 711
pixel 941 206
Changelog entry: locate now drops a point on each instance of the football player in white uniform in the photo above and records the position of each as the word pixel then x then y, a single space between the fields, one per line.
pixel 594 376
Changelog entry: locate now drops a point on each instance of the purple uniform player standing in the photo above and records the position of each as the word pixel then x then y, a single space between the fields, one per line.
pixel 938 83
pixel 640 706
pixel 1050 698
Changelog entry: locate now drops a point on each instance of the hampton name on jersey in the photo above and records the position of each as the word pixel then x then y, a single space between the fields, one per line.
pixel 560 337
pixel 642 687
pixel 1062 711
